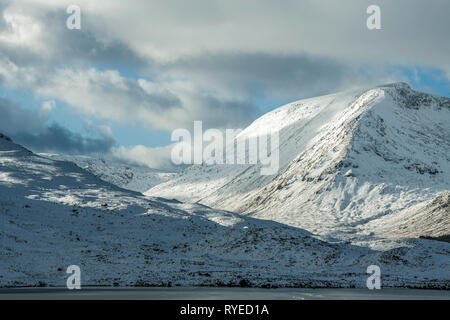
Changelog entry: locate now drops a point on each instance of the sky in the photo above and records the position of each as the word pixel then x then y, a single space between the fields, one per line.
pixel 137 70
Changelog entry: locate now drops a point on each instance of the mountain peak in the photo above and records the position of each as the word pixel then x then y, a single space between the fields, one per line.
pixel 345 158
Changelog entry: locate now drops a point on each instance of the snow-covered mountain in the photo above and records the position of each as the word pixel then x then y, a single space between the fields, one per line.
pixel 135 178
pixel 55 214
pixel 350 163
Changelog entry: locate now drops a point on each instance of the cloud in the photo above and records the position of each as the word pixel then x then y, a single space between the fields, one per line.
pixel 170 30
pixel 59 139
pixel 35 33
pixel 108 95
pixel 32 130
pixel 48 106
pixel 277 76
pixel 231 36
pixel 164 64
pixel 209 60
pixel 158 158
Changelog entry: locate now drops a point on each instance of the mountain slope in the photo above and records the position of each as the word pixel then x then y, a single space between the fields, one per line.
pixel 126 176
pixel 346 161
pixel 429 219
pixel 55 214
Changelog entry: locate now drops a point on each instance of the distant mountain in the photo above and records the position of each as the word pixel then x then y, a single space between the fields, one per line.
pixel 135 178
pixel 349 162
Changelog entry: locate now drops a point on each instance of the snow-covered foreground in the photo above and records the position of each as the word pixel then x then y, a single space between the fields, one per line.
pixel 362 176
pixel 126 176
pixel 55 214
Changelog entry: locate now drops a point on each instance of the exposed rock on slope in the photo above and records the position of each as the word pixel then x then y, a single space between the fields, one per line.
pixel 428 220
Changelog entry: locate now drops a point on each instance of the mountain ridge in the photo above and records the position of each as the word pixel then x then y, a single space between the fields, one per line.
pixel 126 176
pixel 367 153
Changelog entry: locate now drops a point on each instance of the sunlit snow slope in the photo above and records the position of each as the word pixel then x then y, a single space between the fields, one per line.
pixel 126 176
pixel 348 163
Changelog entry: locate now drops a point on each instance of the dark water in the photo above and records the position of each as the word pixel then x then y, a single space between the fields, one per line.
pixel 219 293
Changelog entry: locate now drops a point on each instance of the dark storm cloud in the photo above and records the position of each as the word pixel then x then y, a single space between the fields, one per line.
pixel 217 113
pixel 56 138
pixel 281 75
pixel 3 25
pixel 75 45
pixel 31 130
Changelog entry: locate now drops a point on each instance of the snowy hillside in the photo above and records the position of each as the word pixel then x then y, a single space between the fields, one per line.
pixel 427 219
pixel 348 163
pixel 55 214
pixel 135 178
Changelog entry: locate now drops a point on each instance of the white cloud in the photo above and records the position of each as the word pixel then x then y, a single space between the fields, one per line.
pixel 168 30
pixel 108 95
pixel 48 106
pixel 23 30
pixel 158 158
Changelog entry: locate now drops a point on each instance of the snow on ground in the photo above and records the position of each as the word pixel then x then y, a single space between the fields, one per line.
pixel 427 219
pixel 135 178
pixel 55 214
